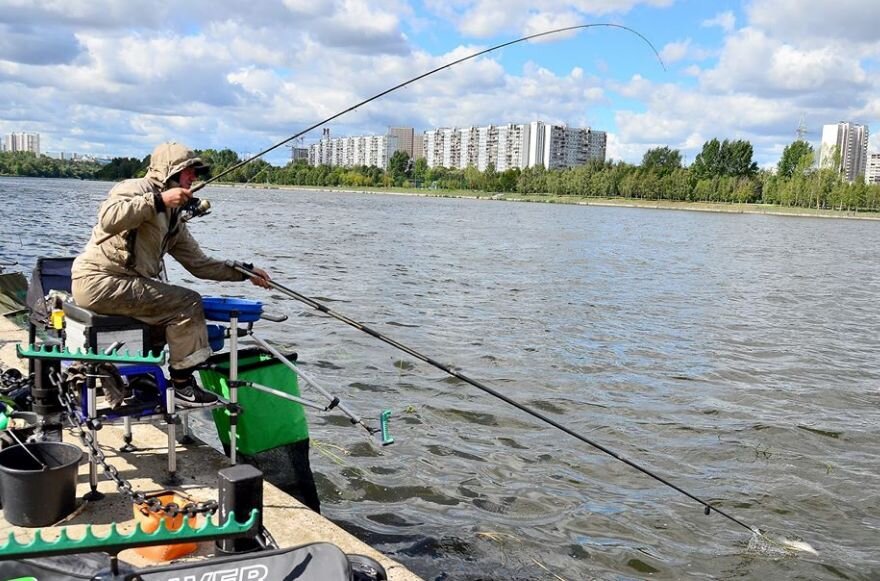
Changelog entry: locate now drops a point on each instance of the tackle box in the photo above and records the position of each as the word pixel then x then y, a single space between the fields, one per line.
pixel 88 330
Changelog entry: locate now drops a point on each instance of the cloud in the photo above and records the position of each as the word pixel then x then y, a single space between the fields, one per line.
pixel 726 21
pixel 793 20
pixel 675 51
pixel 488 18
pixel 104 76
pixel 755 62
pixel 37 47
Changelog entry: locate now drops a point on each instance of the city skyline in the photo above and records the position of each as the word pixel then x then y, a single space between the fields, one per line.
pixel 107 77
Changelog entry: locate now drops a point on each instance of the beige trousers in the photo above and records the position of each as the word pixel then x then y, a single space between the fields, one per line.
pixel 175 309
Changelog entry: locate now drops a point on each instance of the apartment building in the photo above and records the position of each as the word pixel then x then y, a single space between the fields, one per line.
pixel 369 150
pixel 514 146
pixel 22 142
pixel 872 174
pixel 845 147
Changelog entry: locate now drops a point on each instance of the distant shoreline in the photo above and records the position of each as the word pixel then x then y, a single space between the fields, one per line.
pixel 716 207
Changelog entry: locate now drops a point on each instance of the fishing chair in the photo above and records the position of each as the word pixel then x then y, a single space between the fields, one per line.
pixel 50 276
pixel 82 329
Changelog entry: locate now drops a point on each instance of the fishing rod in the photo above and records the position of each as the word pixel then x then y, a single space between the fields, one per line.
pixel 197 207
pixel 448 65
pixel 708 508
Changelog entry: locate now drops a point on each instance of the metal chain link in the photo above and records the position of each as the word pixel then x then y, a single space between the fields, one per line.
pixel 12 379
pixel 82 429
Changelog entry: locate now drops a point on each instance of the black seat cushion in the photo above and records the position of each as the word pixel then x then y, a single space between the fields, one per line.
pixel 98 321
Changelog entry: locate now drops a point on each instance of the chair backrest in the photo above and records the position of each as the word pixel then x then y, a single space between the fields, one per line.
pixel 49 274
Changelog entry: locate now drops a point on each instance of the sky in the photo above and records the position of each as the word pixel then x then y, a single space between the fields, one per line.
pixel 117 77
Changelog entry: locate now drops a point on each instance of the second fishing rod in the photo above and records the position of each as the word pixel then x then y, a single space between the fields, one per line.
pixel 708 508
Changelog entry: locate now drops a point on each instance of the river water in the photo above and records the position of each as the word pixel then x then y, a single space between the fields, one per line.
pixel 734 355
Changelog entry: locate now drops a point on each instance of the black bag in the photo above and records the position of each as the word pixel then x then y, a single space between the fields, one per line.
pixel 313 562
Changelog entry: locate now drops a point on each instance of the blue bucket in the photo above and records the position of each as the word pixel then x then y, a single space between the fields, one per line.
pixel 221 309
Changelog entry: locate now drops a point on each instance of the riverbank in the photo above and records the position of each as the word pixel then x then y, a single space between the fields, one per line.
pixel 290 523
pixel 716 207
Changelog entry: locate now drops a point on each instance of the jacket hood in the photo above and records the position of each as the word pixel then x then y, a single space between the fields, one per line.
pixel 171 158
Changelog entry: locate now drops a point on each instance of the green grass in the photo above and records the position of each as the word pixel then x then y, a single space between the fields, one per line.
pixel 732 208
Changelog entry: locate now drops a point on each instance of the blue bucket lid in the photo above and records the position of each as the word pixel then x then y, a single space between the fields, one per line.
pixel 221 309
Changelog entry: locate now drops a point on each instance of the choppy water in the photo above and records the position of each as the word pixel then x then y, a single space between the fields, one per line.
pixel 735 355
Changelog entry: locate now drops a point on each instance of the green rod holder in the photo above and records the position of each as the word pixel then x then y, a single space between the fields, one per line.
pixel 116 541
pixel 116 356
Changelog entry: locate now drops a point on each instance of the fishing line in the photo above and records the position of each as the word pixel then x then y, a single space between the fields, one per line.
pixel 451 64
pixel 708 508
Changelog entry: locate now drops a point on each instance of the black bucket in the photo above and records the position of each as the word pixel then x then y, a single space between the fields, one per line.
pixel 34 496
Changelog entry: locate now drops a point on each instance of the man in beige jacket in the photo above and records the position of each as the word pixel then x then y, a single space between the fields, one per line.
pixel 118 272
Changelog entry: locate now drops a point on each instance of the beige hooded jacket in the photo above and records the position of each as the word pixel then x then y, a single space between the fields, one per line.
pixel 140 233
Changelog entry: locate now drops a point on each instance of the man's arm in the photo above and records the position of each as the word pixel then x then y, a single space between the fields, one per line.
pixel 187 252
pixel 125 209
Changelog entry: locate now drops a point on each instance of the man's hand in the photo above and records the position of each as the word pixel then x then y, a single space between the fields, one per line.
pixel 262 279
pixel 176 197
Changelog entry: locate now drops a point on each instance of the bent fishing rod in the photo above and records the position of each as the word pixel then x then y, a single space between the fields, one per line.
pixel 199 207
pixel 708 508
pixel 448 65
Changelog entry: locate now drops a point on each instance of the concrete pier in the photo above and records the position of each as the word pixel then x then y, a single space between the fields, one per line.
pixel 289 522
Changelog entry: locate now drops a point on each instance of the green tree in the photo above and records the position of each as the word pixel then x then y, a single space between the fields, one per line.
pixel 662 160
pixel 792 157
pixel 737 158
pixel 398 167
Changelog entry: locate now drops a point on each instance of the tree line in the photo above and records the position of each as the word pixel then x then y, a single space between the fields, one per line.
pixel 723 171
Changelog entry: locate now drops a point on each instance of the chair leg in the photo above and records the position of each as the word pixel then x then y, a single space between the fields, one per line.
pixel 127 437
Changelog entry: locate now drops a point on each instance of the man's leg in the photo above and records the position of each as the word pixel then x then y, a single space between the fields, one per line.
pixel 177 309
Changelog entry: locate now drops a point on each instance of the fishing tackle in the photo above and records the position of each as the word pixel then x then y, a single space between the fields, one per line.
pixel 448 65
pixel 195 208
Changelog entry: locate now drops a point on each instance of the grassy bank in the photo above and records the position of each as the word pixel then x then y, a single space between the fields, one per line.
pixel 723 207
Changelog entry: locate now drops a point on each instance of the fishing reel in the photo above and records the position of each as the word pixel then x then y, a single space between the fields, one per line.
pixel 194 208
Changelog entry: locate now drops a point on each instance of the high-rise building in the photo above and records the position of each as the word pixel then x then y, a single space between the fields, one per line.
pixel 872 173
pixel 514 146
pixel 418 146
pixel 299 154
pixel 434 146
pixel 845 148
pixel 404 137
pixel 23 142
pixel 368 150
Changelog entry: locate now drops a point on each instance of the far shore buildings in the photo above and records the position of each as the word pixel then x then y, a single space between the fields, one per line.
pixel 353 151
pixel 514 146
pixel 872 174
pixel 503 146
pixel 850 141
pixel 22 142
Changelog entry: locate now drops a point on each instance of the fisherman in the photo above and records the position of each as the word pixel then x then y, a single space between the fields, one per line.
pixel 118 272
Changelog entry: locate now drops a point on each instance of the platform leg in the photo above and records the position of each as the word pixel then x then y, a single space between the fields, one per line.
pixel 185 437
pixel 127 436
pixel 233 386
pixel 170 421
pixel 92 412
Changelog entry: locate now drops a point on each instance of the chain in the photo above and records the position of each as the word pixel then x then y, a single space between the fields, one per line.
pixel 12 379
pixel 83 429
